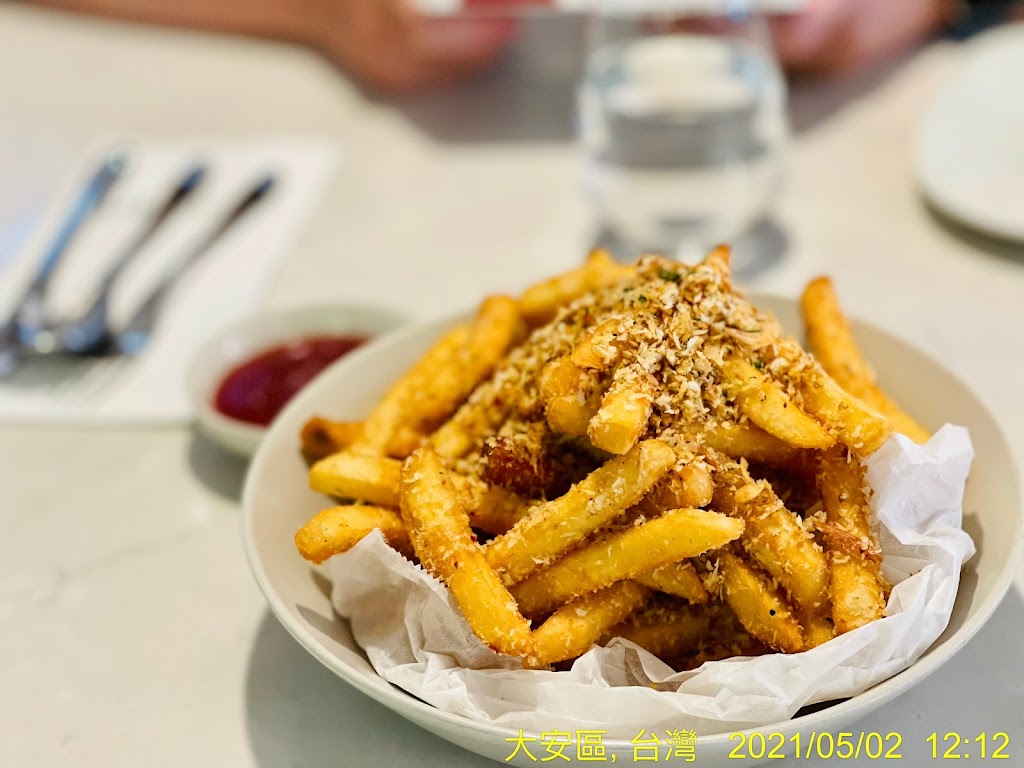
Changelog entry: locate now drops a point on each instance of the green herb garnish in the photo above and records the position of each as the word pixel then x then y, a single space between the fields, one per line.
pixel 670 276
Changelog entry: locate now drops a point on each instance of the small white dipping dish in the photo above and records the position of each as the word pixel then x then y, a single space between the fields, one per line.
pixel 233 346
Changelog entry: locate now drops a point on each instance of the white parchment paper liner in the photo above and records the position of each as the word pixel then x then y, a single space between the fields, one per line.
pixel 416 639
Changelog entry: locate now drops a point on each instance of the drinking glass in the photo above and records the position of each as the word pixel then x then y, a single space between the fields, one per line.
pixel 682 122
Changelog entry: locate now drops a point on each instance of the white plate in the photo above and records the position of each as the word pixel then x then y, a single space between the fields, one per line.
pixel 969 159
pixel 233 346
pixel 277 501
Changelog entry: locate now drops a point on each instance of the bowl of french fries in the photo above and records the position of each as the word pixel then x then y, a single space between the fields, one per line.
pixel 629 504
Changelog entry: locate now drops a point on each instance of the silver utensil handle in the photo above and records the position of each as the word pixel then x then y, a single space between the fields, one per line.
pixel 29 311
pixel 181 192
pixel 136 333
pixel 90 330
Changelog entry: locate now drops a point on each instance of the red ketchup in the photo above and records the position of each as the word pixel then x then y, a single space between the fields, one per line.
pixel 259 388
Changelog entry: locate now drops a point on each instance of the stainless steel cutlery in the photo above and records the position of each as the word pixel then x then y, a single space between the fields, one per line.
pixel 27 320
pixel 28 332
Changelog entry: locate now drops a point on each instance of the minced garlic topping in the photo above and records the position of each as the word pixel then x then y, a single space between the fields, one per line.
pixel 672 324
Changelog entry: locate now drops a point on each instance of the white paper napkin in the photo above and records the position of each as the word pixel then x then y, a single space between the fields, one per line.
pixel 223 287
pixel 415 638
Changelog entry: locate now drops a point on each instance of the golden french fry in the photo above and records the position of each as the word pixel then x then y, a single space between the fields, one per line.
pixel 839 538
pixel 775 538
pixel 571 631
pixel 857 597
pixel 625 410
pixel 667 632
pixel 541 303
pixel 605 344
pixel 818 630
pixel 489 609
pixel 598 349
pixel 455 438
pixel 674 536
pixel 689 486
pixel 841 483
pixel 322 437
pixel 347 475
pixel 559 525
pixel 404 442
pixel 750 442
pixel 431 391
pixel 831 341
pixel 338 529
pixel 492 509
pixel 570 395
pixel 697 487
pixel 759 605
pixel 377 480
pixel 719 260
pixel 856 425
pixel 855 585
pixel 497 326
pixel 439 529
pixel 830 337
pixel 765 403
pixel 679 579
pixel 399 406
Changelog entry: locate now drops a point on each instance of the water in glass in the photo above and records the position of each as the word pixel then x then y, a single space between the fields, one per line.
pixel 683 137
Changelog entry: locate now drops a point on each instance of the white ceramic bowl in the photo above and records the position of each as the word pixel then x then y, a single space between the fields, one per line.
pixel 277 501
pixel 240 342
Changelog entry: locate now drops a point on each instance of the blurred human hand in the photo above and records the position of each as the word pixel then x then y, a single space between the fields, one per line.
pixel 387 44
pixel 838 35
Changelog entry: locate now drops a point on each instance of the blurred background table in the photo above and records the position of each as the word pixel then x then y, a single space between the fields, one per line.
pixel 131 632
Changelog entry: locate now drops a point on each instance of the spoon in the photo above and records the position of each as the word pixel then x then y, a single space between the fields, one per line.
pixel 89 332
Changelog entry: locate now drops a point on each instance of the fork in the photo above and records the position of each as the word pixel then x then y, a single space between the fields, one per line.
pixel 90 332
pixel 26 323
pixel 95 336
